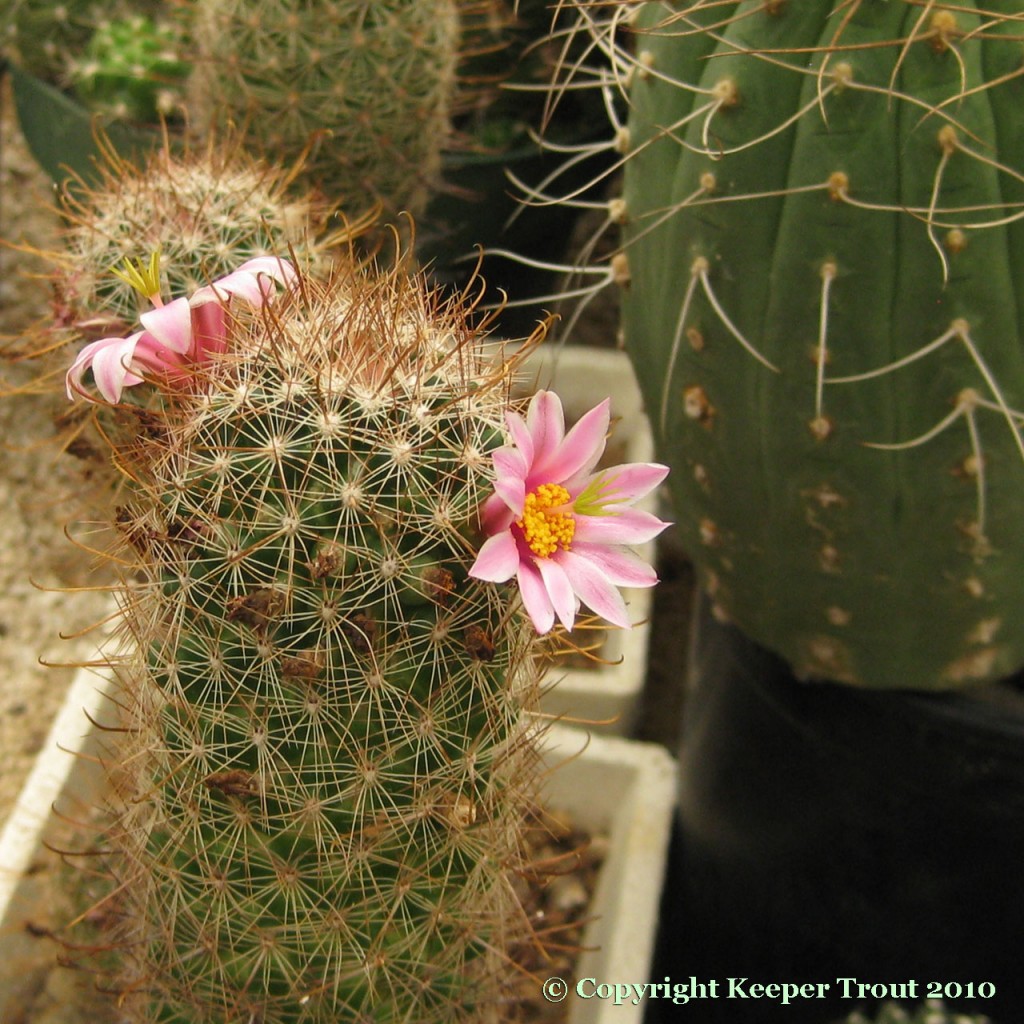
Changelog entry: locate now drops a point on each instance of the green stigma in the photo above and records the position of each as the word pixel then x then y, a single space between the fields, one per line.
pixel 595 498
pixel 144 279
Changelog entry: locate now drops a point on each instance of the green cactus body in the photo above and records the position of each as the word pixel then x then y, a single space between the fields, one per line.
pixel 46 38
pixel 132 68
pixel 366 87
pixel 826 258
pixel 332 760
pixel 204 212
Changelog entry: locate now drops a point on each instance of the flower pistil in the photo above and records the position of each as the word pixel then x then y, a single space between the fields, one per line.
pixel 144 278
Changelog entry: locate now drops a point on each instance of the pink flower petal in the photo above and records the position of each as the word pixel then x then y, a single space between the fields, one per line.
pixel 243 286
pixel 73 379
pixel 497 560
pixel 274 267
pixel 625 484
pixel 170 325
pixel 110 363
pixel 510 462
pixel 253 281
pixel 209 329
pixel 495 515
pixel 630 526
pixel 594 589
pixel 559 589
pixel 510 483
pixel 521 437
pixel 546 423
pixel 512 491
pixel 152 356
pixel 620 567
pixel 578 452
pixel 535 597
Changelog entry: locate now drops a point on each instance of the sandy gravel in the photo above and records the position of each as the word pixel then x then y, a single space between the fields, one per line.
pixel 37 491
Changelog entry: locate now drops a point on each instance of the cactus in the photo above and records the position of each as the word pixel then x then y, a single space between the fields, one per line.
pixel 132 68
pixel 930 1012
pixel 822 259
pixel 366 87
pixel 329 757
pixel 203 211
pixel 47 38
pixel 195 215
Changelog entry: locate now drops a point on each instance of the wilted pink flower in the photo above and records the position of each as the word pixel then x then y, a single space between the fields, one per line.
pixel 177 334
pixel 558 526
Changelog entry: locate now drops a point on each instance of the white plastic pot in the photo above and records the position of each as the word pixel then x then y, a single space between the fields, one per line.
pixel 619 788
pixel 65 782
pixel 625 790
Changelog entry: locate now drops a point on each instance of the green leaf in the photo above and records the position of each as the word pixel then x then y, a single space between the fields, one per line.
pixel 62 135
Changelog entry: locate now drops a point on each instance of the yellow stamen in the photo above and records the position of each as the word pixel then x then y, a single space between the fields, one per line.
pixel 545 523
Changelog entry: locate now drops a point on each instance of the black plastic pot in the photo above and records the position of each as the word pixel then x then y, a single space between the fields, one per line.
pixel 827 833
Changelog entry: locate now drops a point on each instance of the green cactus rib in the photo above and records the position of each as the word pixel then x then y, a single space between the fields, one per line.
pixel 825 253
pixel 365 88
pixel 332 762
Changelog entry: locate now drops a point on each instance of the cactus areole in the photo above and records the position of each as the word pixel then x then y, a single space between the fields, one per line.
pixel 825 246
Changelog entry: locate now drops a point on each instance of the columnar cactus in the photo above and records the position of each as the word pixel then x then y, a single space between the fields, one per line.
pixel 365 87
pixel 331 760
pixel 823 255
pixel 331 751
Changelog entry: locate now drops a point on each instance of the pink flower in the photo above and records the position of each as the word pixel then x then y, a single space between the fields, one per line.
pixel 557 526
pixel 177 334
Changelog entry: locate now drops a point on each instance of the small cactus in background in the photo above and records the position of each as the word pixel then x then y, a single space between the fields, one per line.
pixel 132 68
pixel 204 212
pixel 822 259
pixel 185 219
pixel 330 747
pixel 366 88
pixel 47 38
pixel 930 1012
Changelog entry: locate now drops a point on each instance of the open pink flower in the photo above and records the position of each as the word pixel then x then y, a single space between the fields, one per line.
pixel 558 526
pixel 177 334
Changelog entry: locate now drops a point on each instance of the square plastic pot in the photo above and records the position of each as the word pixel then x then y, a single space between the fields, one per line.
pixel 618 788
